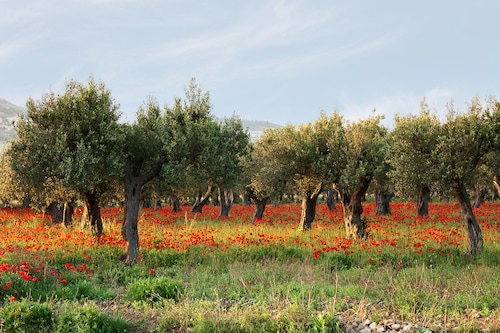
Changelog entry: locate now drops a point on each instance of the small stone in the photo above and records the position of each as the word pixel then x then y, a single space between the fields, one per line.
pixel 407 328
pixel 396 327
pixel 367 322
pixel 373 325
pixel 380 329
pixel 365 330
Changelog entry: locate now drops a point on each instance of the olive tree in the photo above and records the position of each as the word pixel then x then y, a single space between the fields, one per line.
pixel 266 170
pixel 72 140
pixel 220 164
pixel 307 158
pixel 168 138
pixel 365 152
pixel 412 144
pixel 463 142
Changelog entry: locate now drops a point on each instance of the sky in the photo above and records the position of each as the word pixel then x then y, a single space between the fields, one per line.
pixel 282 61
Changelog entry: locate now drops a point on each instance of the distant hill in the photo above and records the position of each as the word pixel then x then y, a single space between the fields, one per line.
pixel 9 112
pixel 256 127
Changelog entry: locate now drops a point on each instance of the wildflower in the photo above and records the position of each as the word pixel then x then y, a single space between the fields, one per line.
pixel 316 254
pixel 12 298
pixel 152 271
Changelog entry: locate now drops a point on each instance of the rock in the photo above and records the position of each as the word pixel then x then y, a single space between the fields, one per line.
pixel 365 330
pixel 396 327
pixel 407 328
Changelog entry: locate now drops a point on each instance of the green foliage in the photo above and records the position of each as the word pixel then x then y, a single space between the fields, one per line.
pixel 325 323
pixel 412 143
pixel 26 316
pixel 155 289
pixel 365 151
pixel 71 139
pixel 88 319
pixel 84 289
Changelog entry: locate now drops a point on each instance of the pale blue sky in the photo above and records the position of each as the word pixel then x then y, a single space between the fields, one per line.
pixel 280 61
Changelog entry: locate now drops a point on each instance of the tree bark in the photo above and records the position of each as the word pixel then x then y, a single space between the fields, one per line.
pixel 479 195
pixel 330 199
pixel 201 201
pixel 134 182
pixel 308 211
pixel 383 201
pixel 424 196
pixel 352 207
pixel 68 212
pixel 55 211
pixel 94 211
pixel 176 204
pixel 474 233
pixel 246 198
pixel 61 212
pixel 496 184
pixel 226 202
pixel 260 206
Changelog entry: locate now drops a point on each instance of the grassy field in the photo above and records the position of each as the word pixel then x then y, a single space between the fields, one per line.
pixel 199 273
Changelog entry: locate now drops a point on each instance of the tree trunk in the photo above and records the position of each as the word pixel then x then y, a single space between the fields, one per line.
pixel 260 206
pixel 355 226
pixel 134 182
pixel 56 210
pixel 176 204
pixel 94 211
pixel 330 199
pixel 475 236
pixel 479 195
pixel 351 205
pixel 226 202
pixel 382 202
pixel 201 201
pixel 496 184
pixel 424 196
pixel 130 234
pixel 246 199
pixel 308 211
pixel 68 212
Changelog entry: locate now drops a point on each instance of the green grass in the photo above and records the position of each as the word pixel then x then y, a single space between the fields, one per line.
pixel 253 288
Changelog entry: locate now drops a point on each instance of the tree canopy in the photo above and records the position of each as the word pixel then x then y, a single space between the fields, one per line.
pixel 73 140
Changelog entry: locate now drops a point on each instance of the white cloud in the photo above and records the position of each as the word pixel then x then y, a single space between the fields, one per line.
pixel 402 103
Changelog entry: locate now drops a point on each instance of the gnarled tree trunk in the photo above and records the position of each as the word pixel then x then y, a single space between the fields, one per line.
pixel 61 212
pixel 474 233
pixel 134 182
pixel 496 184
pixel 176 204
pixel 94 212
pixel 201 200
pixel 424 196
pixel 68 212
pixel 226 202
pixel 351 204
pixel 308 211
pixel 260 206
pixel 330 199
pixel 246 199
pixel 479 195
pixel 383 201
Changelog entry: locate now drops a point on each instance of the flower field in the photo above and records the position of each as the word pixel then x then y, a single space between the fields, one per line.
pixel 412 268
